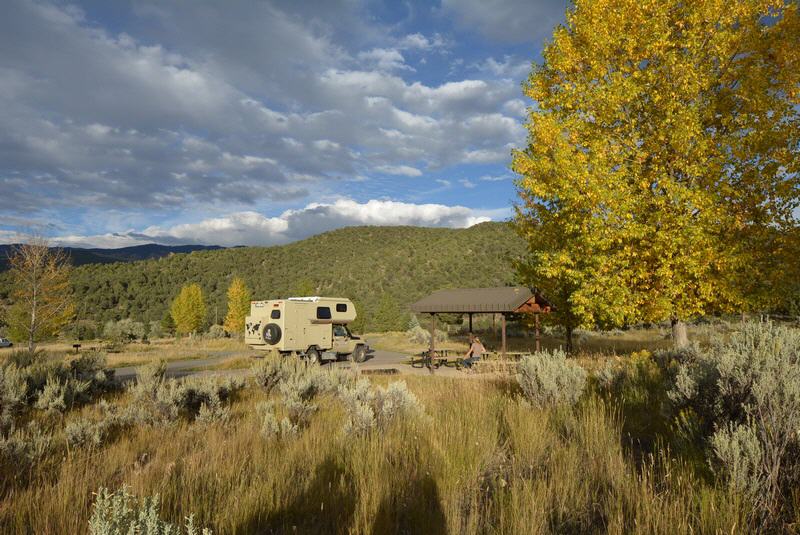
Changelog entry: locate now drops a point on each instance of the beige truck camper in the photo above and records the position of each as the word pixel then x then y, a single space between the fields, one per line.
pixel 314 328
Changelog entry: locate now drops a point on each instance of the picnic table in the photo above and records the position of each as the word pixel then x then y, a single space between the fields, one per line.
pixel 440 357
pixel 454 358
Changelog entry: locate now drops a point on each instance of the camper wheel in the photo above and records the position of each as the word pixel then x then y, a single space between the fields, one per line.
pixel 359 354
pixel 312 355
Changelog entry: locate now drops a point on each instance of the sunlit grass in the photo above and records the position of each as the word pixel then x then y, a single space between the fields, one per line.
pixel 479 461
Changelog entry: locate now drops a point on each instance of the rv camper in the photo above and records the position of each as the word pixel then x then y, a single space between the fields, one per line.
pixel 314 328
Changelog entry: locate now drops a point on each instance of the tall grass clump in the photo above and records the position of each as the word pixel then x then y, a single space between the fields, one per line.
pixel 549 378
pixel 122 513
pixel 743 395
pixel 638 385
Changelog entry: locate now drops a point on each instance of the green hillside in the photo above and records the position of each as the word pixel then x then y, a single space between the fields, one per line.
pixel 382 268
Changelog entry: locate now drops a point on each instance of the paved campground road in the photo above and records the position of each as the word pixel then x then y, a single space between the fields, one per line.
pixel 378 362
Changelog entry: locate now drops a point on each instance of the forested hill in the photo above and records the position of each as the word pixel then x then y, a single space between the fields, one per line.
pixel 80 256
pixel 382 268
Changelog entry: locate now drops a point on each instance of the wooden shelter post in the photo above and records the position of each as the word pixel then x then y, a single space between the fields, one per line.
pixel 433 340
pixel 503 327
pixel 470 322
pixel 538 338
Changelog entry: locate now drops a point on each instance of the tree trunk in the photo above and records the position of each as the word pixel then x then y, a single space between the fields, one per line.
pixel 679 337
pixel 568 336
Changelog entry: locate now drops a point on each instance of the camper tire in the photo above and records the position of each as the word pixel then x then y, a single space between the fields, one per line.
pixel 359 354
pixel 312 356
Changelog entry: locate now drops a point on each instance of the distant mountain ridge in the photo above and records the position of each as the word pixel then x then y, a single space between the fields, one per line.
pixel 81 256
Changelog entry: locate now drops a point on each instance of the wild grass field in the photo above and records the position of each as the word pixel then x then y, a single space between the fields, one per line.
pixel 647 443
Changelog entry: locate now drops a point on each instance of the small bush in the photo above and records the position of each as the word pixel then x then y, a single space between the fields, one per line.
pixel 548 378
pixel 271 428
pixel 371 408
pixel 746 387
pixel 213 411
pixel 124 330
pixel 21 451
pixel 96 433
pixel 159 400
pixel 13 390
pixel 81 330
pixel 739 459
pixel 270 371
pixel 121 513
pixel 155 330
pixel 51 384
pixel 639 384
pixel 61 395
pixel 418 335
pixel 216 332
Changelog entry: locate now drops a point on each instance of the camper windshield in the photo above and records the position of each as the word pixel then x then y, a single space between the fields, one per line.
pixel 340 331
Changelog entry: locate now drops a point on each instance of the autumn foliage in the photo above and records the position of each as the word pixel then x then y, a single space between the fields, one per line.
pixel 40 290
pixel 660 177
pixel 188 310
pixel 238 306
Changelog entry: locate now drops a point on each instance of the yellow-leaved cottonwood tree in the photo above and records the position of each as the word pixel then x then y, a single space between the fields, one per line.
pixel 238 306
pixel 41 292
pixel 188 310
pixel 662 159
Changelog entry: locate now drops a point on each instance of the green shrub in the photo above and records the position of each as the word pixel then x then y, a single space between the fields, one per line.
pixel 113 420
pixel 155 330
pixel 52 384
pixel 740 459
pixel 216 332
pixel 158 400
pixel 124 330
pixel 121 513
pixel 61 395
pixel 81 330
pixel 418 335
pixel 271 428
pixel 548 378
pixel 270 371
pixel 747 387
pixel 21 451
pixel 371 408
pixel 13 390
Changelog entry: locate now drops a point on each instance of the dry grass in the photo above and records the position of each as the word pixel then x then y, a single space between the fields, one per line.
pixel 398 342
pixel 168 349
pixel 588 344
pixel 480 461
pixel 231 363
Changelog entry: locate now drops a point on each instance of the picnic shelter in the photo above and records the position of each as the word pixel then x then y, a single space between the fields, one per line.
pixel 502 300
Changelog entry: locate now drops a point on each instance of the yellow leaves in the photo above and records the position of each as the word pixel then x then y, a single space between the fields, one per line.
pixel 645 157
pixel 188 310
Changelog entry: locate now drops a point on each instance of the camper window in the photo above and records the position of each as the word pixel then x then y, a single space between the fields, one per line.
pixel 276 314
pixel 341 307
pixel 323 313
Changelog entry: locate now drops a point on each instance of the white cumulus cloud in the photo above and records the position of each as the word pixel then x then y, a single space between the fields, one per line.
pixel 253 228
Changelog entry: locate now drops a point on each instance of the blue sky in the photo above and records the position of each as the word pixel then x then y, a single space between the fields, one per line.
pixel 259 123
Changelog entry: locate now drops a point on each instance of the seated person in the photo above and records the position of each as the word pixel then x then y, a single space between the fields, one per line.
pixel 475 352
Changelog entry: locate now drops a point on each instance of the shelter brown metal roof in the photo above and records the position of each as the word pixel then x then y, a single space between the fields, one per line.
pixel 481 300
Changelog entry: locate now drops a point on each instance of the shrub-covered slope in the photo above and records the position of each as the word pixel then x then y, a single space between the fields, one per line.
pixel 382 268
pixel 80 256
